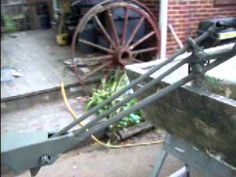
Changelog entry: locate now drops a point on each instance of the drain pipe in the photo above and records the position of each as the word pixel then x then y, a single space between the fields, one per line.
pixel 163 17
pixel 55 9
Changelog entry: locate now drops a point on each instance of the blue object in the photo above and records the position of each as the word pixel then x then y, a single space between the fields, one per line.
pixel 88 34
pixel 118 17
pixel 7 74
pixel 90 2
pixel 133 19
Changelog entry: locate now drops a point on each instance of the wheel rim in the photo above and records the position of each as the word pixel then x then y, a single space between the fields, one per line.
pixel 124 47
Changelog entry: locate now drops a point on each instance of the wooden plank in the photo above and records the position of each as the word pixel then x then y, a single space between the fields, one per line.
pixel 41 62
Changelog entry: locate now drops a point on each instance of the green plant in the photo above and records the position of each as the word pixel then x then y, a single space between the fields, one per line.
pixel 108 88
pixel 9 24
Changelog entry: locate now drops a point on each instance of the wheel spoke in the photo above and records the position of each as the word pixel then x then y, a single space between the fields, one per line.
pixel 104 31
pixel 95 45
pixel 113 27
pixel 102 57
pixel 142 40
pixel 144 50
pixel 125 24
pixel 136 60
pixel 99 68
pixel 134 32
pixel 86 61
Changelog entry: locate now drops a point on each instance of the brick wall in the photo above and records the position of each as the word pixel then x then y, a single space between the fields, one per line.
pixel 185 15
pixel 152 4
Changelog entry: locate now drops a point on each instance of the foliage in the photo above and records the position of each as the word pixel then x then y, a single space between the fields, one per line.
pixel 9 24
pixel 109 87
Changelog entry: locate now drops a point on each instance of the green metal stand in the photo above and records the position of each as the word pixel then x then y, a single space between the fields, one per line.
pixel 193 158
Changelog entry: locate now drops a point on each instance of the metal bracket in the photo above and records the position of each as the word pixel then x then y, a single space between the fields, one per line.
pixel 196 65
pixel 46 159
pixel 198 56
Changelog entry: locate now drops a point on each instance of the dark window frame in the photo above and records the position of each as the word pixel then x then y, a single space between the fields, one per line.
pixel 225 2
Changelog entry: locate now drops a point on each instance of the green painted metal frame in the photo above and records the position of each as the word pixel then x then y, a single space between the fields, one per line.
pixel 37 154
pixel 192 158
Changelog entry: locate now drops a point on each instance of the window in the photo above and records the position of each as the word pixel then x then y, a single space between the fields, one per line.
pixel 224 2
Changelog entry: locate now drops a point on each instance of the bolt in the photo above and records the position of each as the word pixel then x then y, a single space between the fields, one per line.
pixel 45 159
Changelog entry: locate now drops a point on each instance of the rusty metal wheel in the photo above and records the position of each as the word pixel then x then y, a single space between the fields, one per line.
pixel 127 33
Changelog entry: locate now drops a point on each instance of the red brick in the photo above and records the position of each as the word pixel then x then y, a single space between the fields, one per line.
pixel 185 15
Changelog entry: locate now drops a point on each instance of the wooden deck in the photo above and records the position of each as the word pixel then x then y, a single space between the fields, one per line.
pixel 40 61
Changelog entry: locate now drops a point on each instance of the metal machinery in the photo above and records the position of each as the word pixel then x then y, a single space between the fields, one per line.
pixel 32 151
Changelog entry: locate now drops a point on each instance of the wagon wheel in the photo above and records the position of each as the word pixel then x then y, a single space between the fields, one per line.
pixel 129 37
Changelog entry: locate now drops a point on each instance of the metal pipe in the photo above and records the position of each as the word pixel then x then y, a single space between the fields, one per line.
pixel 163 26
pixel 216 63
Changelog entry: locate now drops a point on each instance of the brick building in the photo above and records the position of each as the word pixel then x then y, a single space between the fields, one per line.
pixel 185 15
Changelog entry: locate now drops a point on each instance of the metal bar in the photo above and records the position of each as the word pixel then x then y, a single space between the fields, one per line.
pixel 98 69
pixel 95 45
pixel 142 40
pixel 133 95
pixel 220 53
pixel 135 30
pixel 144 50
pixel 161 157
pixel 214 64
pixel 104 31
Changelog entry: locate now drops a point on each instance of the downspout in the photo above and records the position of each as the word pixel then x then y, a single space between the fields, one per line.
pixel 163 17
pixel 55 9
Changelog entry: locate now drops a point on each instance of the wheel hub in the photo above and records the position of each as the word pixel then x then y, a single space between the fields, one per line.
pixel 123 56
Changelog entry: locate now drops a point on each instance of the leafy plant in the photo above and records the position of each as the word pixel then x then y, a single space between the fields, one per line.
pixel 9 24
pixel 109 87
